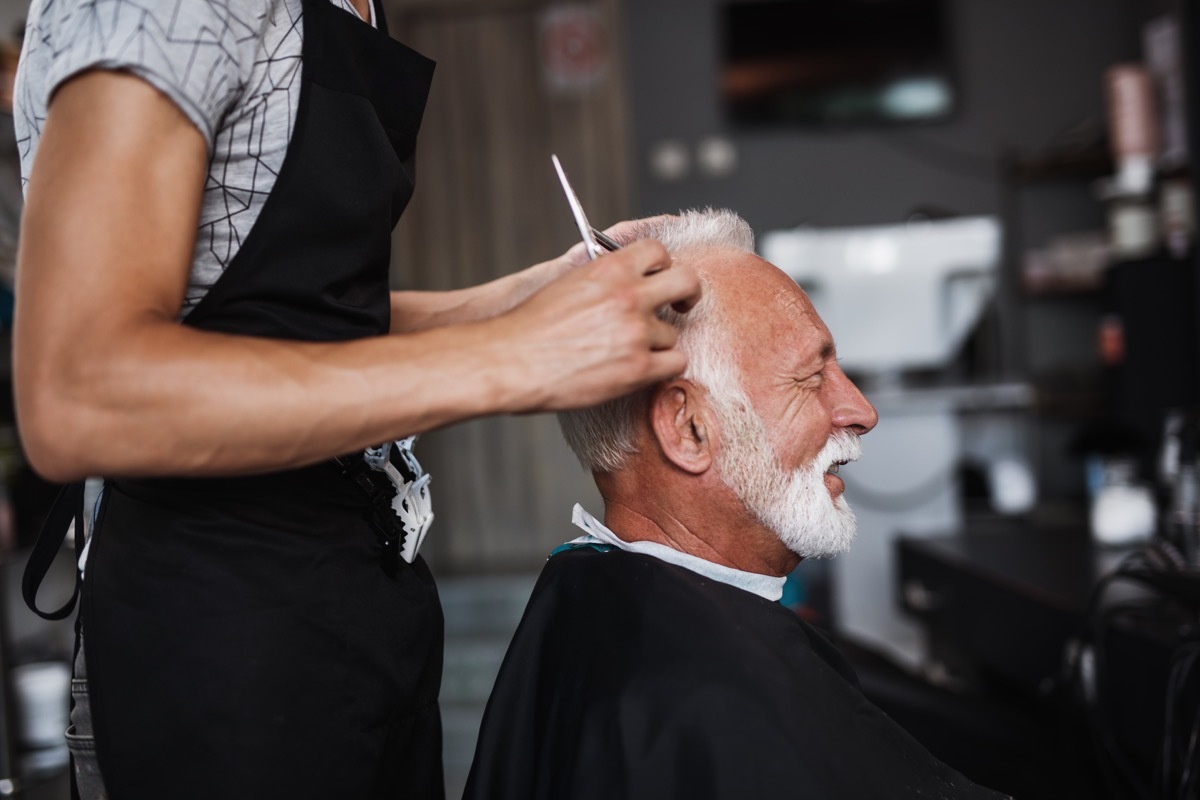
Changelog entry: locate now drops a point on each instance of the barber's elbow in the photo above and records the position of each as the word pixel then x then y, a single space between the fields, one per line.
pixel 50 458
pixel 50 437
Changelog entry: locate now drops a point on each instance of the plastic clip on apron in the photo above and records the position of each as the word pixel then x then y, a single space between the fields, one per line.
pixel 253 637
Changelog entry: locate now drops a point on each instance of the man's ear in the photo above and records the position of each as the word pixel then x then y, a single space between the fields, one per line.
pixel 681 424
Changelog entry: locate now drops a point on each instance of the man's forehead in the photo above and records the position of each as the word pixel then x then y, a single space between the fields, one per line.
pixel 765 307
pixel 738 276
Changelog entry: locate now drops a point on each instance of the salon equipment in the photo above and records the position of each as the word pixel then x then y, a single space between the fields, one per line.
pixel 398 487
pixel 896 297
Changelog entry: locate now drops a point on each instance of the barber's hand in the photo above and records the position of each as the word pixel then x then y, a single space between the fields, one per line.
pixel 623 233
pixel 592 334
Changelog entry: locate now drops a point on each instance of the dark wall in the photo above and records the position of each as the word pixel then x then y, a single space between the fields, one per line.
pixel 1029 74
pixel 1028 70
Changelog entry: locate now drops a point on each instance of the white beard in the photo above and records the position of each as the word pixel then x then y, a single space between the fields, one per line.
pixel 794 504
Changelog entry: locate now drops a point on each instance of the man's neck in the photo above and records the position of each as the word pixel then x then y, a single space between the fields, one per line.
pixel 768 587
pixel 363 7
pixel 739 542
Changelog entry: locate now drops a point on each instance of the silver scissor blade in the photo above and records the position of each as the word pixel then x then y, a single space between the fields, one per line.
pixel 604 240
pixel 585 230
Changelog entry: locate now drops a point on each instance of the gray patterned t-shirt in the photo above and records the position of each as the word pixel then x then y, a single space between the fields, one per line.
pixel 232 66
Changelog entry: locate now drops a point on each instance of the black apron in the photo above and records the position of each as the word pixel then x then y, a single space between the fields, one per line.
pixel 244 637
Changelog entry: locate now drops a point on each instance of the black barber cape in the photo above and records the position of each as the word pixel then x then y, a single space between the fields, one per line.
pixel 633 678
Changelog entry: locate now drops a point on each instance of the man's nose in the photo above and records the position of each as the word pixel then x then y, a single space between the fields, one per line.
pixel 852 409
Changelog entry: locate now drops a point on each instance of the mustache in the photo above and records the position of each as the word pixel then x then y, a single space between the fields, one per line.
pixel 842 446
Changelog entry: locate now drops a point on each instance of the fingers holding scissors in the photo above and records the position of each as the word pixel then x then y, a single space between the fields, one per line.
pixel 667 283
pixel 660 282
pixel 681 287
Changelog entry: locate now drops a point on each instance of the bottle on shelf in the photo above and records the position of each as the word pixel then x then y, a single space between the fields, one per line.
pixel 1179 476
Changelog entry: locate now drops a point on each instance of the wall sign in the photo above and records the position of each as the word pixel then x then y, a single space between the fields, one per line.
pixel 574 47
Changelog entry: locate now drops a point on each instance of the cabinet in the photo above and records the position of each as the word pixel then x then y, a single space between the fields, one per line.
pixel 1005 603
pixel 1146 307
pixel 1048 321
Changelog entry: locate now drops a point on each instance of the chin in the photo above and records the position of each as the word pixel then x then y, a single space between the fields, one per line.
pixel 803 506
pixel 822 535
pixel 799 507
pixel 809 520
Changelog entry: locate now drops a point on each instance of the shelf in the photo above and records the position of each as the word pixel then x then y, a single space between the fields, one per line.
pixel 1057 289
pixel 1067 165
pixel 1078 395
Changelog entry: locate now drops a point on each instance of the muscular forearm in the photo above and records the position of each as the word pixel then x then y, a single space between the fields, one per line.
pixel 175 401
pixel 417 311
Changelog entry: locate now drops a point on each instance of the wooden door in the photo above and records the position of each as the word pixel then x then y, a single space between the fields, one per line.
pixel 488 203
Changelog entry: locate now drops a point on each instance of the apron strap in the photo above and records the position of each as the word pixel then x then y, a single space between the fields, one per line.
pixel 68 507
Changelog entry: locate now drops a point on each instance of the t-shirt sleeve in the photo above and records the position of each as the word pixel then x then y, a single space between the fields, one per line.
pixel 199 53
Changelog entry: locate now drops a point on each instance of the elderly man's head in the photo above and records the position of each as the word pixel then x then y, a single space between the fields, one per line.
pixel 763 404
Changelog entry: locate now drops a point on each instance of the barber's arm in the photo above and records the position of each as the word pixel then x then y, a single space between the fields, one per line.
pixel 109 383
pixel 418 310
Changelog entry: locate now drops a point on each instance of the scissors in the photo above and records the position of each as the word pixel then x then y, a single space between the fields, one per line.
pixel 593 239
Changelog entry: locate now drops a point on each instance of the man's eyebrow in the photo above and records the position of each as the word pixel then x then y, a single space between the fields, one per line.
pixel 817 362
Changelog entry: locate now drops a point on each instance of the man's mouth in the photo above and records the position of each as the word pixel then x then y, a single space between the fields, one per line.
pixel 834 467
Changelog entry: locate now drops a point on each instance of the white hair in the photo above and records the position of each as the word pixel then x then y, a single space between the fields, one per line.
pixel 603 436
pixel 794 503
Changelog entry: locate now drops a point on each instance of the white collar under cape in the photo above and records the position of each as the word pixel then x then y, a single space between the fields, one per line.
pixel 766 586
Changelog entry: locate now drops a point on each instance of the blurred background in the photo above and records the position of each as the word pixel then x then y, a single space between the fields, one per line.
pixel 990 204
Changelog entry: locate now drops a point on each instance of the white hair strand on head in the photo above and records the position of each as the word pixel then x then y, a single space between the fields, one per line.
pixel 602 436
